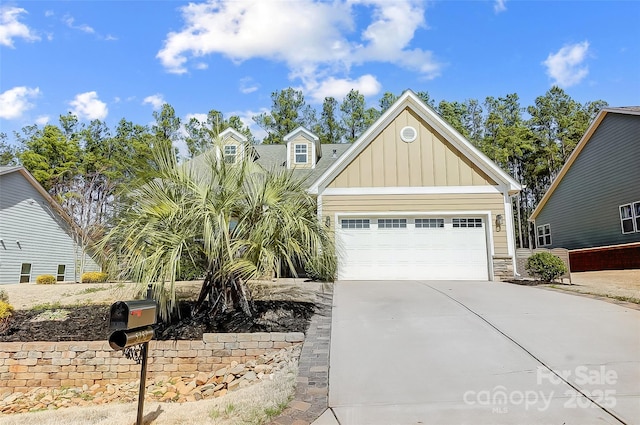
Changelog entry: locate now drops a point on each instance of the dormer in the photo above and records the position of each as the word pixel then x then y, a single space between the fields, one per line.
pixel 232 147
pixel 303 148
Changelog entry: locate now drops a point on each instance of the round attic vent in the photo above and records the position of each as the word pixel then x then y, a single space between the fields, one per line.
pixel 408 134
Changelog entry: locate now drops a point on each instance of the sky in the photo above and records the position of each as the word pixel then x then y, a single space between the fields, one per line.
pixel 110 60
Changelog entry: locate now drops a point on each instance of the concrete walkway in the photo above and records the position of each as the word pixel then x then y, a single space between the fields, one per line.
pixel 480 353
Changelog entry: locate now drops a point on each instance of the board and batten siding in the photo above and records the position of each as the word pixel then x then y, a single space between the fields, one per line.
pixel 44 238
pixel 420 203
pixel 428 161
pixel 583 211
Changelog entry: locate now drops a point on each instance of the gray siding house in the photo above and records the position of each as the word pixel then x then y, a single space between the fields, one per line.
pixel 593 206
pixel 36 236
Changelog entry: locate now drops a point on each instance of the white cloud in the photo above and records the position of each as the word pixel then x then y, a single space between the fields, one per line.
pixel 43 119
pixel 14 102
pixel 247 85
pixel 566 65
pixel 11 27
pixel 155 100
pixel 70 22
pixel 87 105
pixel 315 39
pixel 499 6
pixel 49 13
pixel 367 85
pixel 199 116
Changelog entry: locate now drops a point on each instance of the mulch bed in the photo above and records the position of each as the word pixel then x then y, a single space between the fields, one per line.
pixel 91 323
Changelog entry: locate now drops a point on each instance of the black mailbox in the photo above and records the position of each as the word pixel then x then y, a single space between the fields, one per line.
pixel 133 314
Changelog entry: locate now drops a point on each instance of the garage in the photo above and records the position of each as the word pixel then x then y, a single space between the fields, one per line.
pixel 412 248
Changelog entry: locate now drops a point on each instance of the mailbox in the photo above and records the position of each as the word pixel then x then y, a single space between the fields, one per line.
pixel 119 340
pixel 126 315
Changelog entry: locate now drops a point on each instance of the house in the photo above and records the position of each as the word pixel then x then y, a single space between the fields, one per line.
pixel 593 207
pixel 36 235
pixel 410 199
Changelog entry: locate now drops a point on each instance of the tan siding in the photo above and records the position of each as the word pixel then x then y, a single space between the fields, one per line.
pixel 300 140
pixel 428 161
pixel 332 204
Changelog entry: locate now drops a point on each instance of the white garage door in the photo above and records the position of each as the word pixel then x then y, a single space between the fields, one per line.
pixel 412 248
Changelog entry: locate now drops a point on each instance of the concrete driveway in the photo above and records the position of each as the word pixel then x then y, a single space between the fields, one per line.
pixel 423 352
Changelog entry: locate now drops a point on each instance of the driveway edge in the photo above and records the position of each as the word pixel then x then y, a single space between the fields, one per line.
pixel 312 384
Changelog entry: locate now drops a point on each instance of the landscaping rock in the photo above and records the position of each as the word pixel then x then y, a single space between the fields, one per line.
pixel 163 388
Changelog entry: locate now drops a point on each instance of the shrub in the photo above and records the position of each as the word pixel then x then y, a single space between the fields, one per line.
pixel 94 277
pixel 6 315
pixel 545 266
pixel 322 268
pixel 4 296
pixel 45 279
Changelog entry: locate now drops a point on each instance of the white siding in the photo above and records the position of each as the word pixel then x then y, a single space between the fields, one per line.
pixel 45 239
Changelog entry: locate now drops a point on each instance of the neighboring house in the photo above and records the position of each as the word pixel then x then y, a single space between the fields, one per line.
pixel 593 207
pixel 410 199
pixel 36 236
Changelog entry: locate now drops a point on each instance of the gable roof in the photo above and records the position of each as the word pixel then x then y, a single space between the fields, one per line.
pixel 36 185
pixel 411 101
pixel 627 110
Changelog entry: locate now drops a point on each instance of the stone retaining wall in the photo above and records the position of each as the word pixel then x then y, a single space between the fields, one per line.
pixel 25 365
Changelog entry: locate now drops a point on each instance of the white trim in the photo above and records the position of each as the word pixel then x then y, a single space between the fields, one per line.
pixel 411 190
pixel 411 100
pixel 295 153
pixel 511 231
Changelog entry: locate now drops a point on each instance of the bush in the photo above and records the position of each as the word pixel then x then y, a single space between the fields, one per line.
pixel 6 315
pixel 545 266
pixel 45 279
pixel 322 268
pixel 94 277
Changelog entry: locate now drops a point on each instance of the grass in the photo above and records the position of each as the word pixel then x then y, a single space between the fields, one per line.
pixel 46 306
pixel 92 290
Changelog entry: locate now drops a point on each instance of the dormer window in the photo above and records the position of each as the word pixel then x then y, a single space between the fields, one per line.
pixel 301 154
pixel 230 153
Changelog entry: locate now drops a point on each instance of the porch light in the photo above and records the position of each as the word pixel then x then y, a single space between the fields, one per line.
pixel 327 221
pixel 499 222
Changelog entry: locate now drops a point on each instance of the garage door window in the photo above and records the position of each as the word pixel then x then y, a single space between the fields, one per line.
pixel 467 222
pixel 392 223
pixel 423 223
pixel 355 223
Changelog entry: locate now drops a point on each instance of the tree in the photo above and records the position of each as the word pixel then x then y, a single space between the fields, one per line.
pixel 426 98
pixel 287 114
pixel 386 101
pixel 166 128
pixel 329 129
pixel 355 119
pixel 455 114
pixel 232 219
pixel 52 156
pixel 8 154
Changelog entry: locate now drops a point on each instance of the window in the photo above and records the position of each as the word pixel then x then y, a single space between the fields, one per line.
pixel 630 217
pixel 25 273
pixel 392 223
pixel 544 235
pixel 301 154
pixel 230 152
pixel 61 270
pixel 423 223
pixel 355 223
pixel 467 222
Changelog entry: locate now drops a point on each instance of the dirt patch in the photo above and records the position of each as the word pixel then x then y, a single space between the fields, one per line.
pixel 77 312
pixel 91 323
pixel 618 285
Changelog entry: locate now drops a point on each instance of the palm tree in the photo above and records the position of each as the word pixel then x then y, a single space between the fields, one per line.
pixel 237 220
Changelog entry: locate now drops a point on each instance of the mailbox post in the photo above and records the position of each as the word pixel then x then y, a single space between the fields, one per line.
pixel 131 323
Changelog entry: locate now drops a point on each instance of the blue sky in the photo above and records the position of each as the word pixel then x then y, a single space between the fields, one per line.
pixel 115 59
